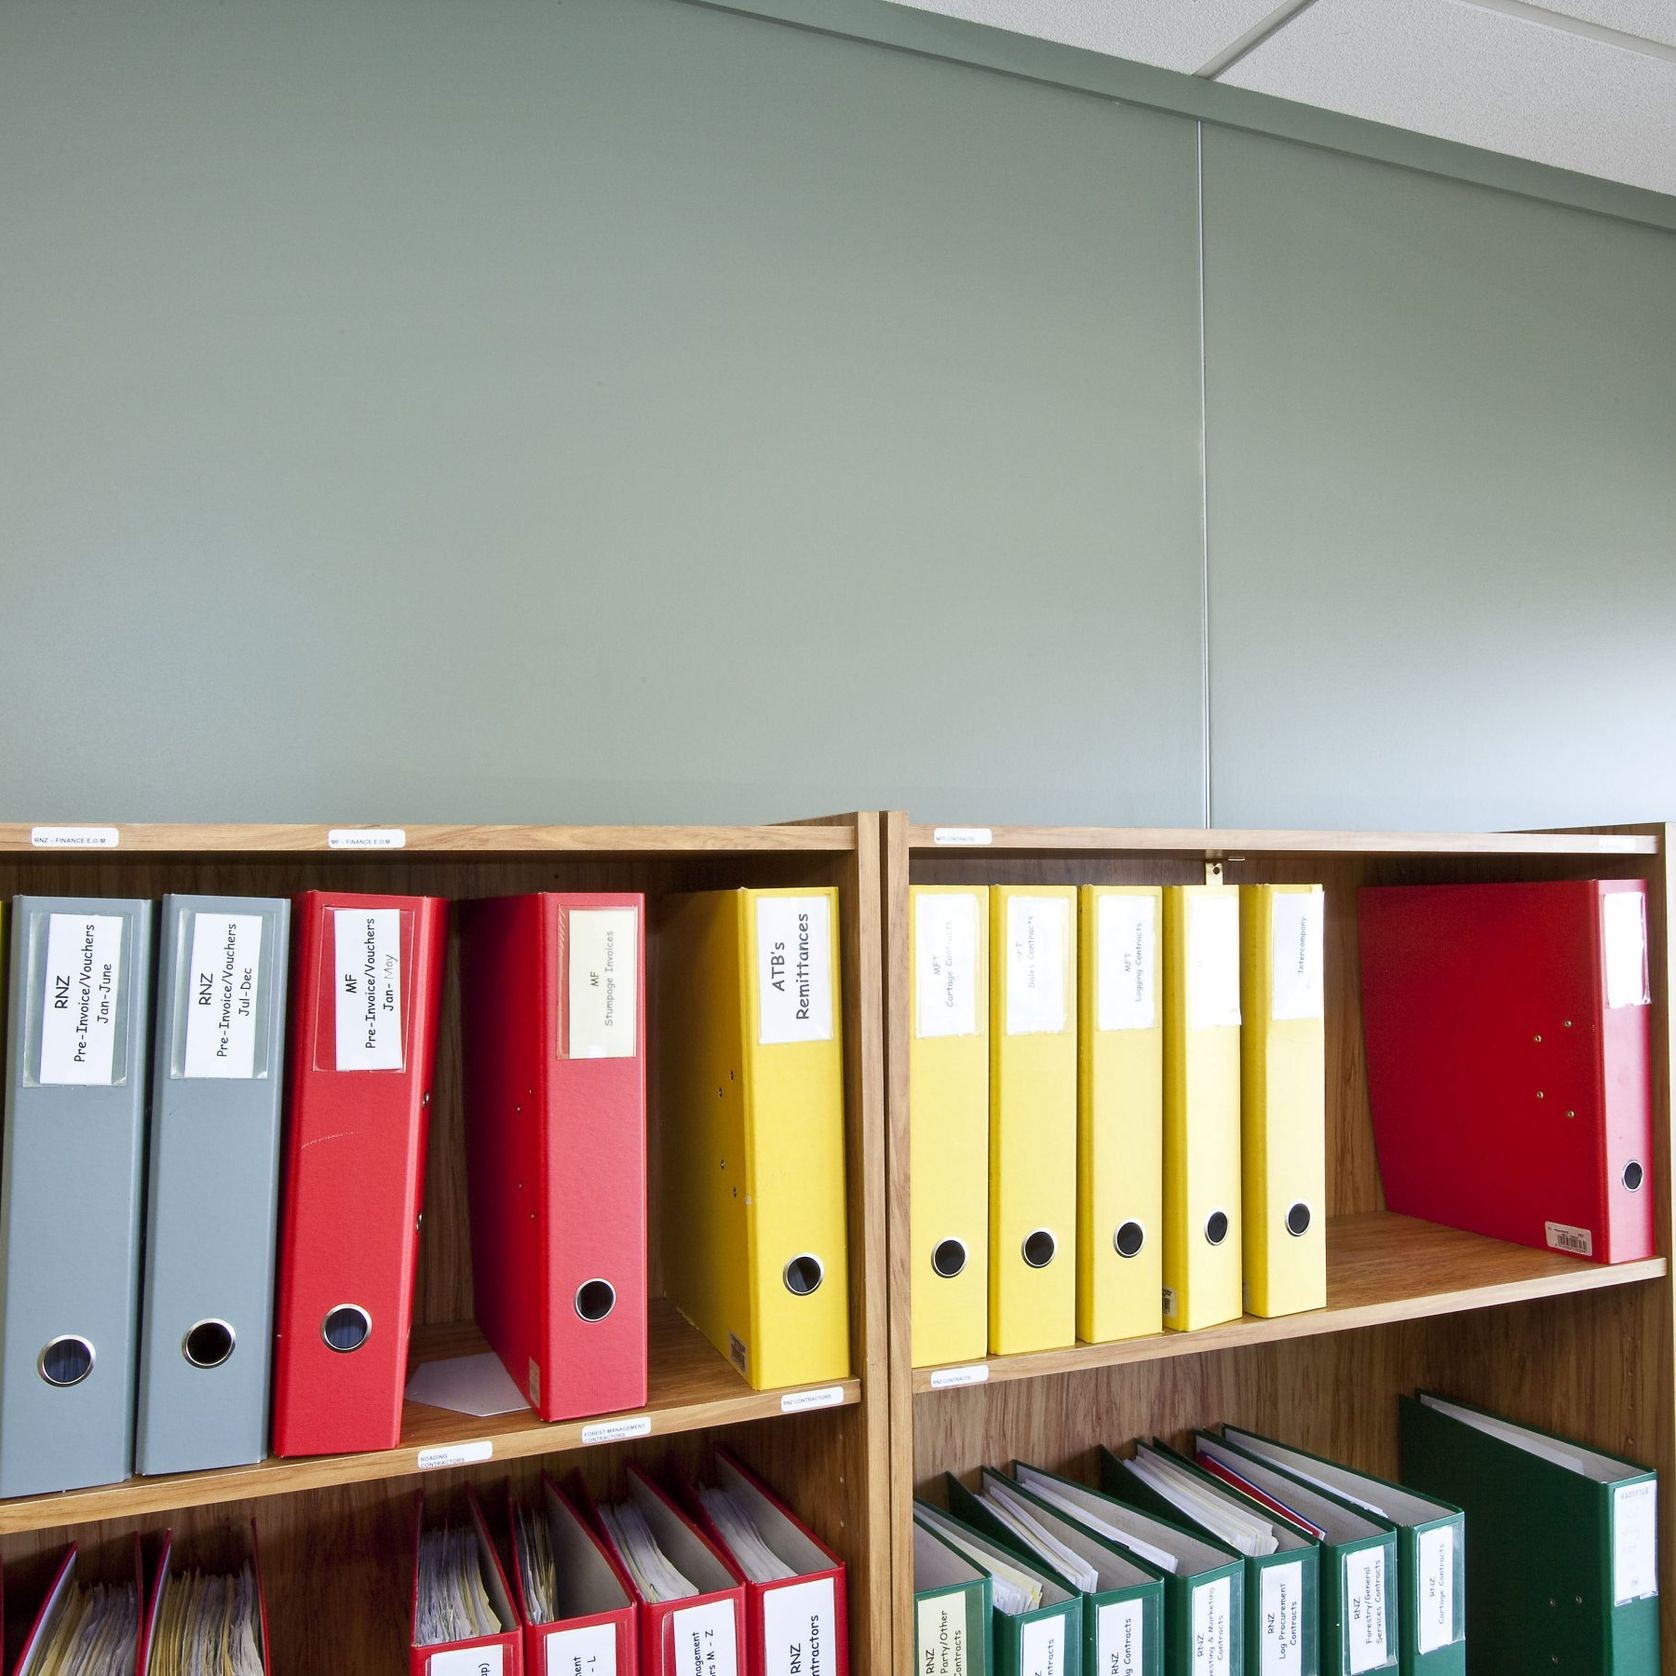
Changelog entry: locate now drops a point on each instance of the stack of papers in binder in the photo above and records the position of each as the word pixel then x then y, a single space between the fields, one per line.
pixel 453 1602
pixel 207 1627
pixel 654 1573
pixel 95 1634
pixel 534 1544
pixel 732 1518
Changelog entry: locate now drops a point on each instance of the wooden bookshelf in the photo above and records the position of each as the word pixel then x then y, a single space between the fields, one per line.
pixel 1580 1348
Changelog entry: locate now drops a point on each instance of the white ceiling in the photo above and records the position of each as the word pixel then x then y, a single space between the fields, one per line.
pixel 1582 84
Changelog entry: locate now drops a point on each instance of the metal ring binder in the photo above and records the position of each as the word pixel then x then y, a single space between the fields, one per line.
pixel 1129 1239
pixel 595 1299
pixel 949 1258
pixel 1039 1248
pixel 66 1360
pixel 346 1327
pixel 208 1343
pixel 804 1274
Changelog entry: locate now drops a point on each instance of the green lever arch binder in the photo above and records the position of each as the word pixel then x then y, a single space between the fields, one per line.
pixel 952 1633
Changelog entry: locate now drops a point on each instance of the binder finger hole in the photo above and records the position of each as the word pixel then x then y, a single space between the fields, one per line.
pixel 595 1299
pixel 1039 1248
pixel 949 1258
pixel 1298 1219
pixel 207 1343
pixel 1216 1227
pixel 1634 1175
pixel 804 1274
pixel 66 1361
pixel 1129 1239
pixel 346 1328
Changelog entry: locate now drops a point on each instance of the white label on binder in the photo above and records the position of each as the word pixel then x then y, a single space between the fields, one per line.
pixel 1435 1609
pixel 946 954
pixel 366 838
pixel 799 1629
pixel 704 1641
pixel 823 1396
pixel 80 991
pixel 1624 936
pixel 1041 1647
pixel 603 983
pixel 222 995
pixel 1213 959
pixel 582 1652
pixel 1127 997
pixel 1635 1541
pixel 944 1379
pixel 1299 920
pixel 74 837
pixel 1365 1630
pixel 941 1622
pixel 1212 1633
pixel 1561 1236
pixel 794 968
pixel 616 1431
pixel 1038 939
pixel 367 946
pixel 962 837
pixel 1281 1629
pixel 454 1454
pixel 467 1661
pixel 1120 1639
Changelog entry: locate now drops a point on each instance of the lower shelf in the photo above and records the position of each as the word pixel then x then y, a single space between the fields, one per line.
pixel 691 1386
pixel 1380 1268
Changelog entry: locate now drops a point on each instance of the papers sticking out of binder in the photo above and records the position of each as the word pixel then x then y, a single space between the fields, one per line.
pixel 654 1573
pixel 732 1519
pixel 208 1626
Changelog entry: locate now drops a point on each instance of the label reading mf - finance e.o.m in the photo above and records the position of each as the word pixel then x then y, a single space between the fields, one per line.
pixel 367 950
pixel 603 983
pixel 946 962
pixel 222 983
pixel 81 990
pixel 794 969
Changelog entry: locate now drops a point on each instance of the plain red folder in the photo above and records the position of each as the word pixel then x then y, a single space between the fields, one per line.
pixel 594 1631
pixel 34 1642
pixel 794 1626
pixel 153 1602
pixel 553 992
pixel 1508 1050
pixel 501 1654
pixel 703 1635
pixel 355 1165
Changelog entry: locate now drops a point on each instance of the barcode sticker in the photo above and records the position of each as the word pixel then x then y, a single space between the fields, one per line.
pixel 1563 1237
pixel 1635 1541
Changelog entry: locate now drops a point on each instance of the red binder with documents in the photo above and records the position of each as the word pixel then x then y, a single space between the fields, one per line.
pixel 794 1624
pixel 365 995
pixel 497 1654
pixel 31 1653
pixel 553 997
pixel 1508 1052
pixel 705 1631
pixel 594 1628
pixel 169 1560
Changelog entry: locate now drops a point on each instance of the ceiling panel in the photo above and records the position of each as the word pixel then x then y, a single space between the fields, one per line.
pixel 1466 73
pixel 1653 20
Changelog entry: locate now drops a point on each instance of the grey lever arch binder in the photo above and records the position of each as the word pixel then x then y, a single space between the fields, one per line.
pixel 206 1315
pixel 76 1038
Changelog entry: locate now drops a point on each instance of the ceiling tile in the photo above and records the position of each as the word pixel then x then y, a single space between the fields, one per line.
pixel 1652 20
pixel 1178 34
pixel 1465 73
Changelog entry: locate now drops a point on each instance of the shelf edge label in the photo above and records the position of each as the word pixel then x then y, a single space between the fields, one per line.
pixel 962 837
pixel 943 1379
pixel 74 837
pixel 618 1431
pixel 366 838
pixel 455 1454
pixel 824 1396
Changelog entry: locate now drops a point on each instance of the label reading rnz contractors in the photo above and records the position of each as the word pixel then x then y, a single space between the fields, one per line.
pixel 800 1629
pixel 367 952
pixel 946 961
pixel 81 989
pixel 222 980
pixel 602 983
pixel 794 969
pixel 1366 1633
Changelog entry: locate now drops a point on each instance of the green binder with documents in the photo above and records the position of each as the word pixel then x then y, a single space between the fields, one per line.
pixel 952 1634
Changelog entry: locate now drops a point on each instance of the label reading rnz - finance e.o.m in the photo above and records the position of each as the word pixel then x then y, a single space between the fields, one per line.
pixel 367 951
pixel 946 962
pixel 794 969
pixel 81 989
pixel 602 983
pixel 222 983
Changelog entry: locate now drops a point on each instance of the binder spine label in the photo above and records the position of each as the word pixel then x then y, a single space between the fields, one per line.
pixel 602 983
pixel 946 952
pixel 1041 1647
pixel 1297 923
pixel 941 1626
pixel 1127 992
pixel 794 969
pixel 1435 1608
pixel 467 1661
pixel 1281 1631
pixel 367 947
pixel 1212 1633
pixel 1038 938
pixel 1366 1633
pixel 799 1628
pixel 1624 947
pixel 1635 1567
pixel 589 1651
pixel 1120 1639
pixel 222 995
pixel 1213 959
pixel 1561 1236
pixel 80 997
pixel 704 1640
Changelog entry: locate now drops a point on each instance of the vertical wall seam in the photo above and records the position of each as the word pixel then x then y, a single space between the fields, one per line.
pixel 1204 494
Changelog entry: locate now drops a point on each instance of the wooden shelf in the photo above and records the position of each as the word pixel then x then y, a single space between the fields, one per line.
pixel 692 1386
pixel 1380 1268
pixel 1214 843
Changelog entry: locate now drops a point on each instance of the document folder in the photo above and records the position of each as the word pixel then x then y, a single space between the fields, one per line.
pixel 482 1634
pixel 953 1632
pixel 575 1601
pixel 94 1609
pixel 233 1618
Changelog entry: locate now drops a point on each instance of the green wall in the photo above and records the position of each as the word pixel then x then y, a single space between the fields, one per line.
pixel 622 409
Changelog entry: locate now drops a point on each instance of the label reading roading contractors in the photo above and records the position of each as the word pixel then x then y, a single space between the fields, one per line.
pixel 602 983
pixel 1127 994
pixel 946 955
pixel 941 1625
pixel 223 982
pixel 1041 1647
pixel 367 950
pixel 1635 1543
pixel 616 1431
pixel 467 1661
pixel 1038 939
pixel 1624 945
pixel 81 983
pixel 1435 1609
pixel 1365 1631
pixel 74 837
pixel 1281 1630
pixel 704 1641
pixel 1213 959
pixel 581 1652
pixel 454 1454
pixel 799 1629
pixel 1561 1236
pixel 366 838
pixel 794 969
pixel 1120 1639
pixel 1295 986
pixel 1212 1633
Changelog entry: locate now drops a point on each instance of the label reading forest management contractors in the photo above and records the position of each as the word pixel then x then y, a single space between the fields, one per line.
pixel 367 951
pixel 946 961
pixel 794 968
pixel 80 991
pixel 704 1640
pixel 800 1629
pixel 222 982
pixel 603 983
